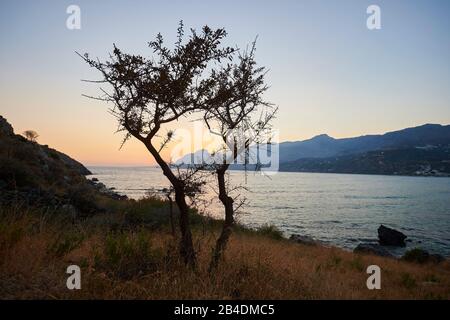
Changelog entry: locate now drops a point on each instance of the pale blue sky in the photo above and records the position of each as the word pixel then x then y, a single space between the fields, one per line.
pixel 328 72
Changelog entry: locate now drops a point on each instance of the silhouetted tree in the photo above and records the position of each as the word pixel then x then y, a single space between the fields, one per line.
pixel 31 135
pixel 238 113
pixel 148 93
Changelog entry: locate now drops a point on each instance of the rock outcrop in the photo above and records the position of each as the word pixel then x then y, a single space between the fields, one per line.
pixel 5 128
pixel 304 240
pixel 391 237
pixel 72 163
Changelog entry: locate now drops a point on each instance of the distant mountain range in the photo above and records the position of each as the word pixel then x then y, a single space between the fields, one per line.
pixel 422 150
pixel 323 146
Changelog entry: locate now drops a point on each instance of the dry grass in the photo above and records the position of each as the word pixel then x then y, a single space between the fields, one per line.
pixel 142 264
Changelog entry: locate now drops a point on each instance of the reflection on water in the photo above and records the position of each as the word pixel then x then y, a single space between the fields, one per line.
pixel 340 209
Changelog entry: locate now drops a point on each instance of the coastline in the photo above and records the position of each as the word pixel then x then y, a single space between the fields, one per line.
pixel 357 222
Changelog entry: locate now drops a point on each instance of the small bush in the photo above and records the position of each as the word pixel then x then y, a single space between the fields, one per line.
pixel 138 214
pixel 334 261
pixel 53 154
pixel 270 231
pixel 148 211
pixel 416 255
pixel 431 278
pixel 127 254
pixel 65 243
pixel 357 264
pixel 10 234
pixel 82 197
pixel 23 152
pixel 408 281
pixel 434 296
pixel 16 173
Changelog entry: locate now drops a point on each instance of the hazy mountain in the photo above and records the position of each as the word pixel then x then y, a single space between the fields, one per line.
pixel 323 146
pixel 318 147
pixel 198 157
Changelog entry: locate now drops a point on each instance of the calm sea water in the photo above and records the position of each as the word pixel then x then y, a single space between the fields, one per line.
pixel 339 209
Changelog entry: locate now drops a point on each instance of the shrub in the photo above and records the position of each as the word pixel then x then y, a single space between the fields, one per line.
pixel 270 231
pixel 334 261
pixel 357 264
pixel 31 135
pixel 148 211
pixel 127 254
pixel 16 173
pixel 23 152
pixel 416 255
pixel 53 154
pixel 65 243
pixel 431 278
pixel 408 281
pixel 10 234
pixel 82 197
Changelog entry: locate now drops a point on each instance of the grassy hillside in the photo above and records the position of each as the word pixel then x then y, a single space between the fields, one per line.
pixel 130 253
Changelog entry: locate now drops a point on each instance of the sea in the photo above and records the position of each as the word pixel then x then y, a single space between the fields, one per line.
pixel 340 210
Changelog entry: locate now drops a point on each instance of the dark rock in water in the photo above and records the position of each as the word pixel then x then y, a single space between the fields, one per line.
pixel 372 248
pixel 391 237
pixel 101 187
pixel 116 196
pixel 303 240
pixel 94 180
pixel 418 255
pixel 110 192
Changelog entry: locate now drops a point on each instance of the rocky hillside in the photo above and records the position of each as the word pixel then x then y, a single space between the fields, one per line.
pixel 425 161
pixel 39 175
pixel 324 146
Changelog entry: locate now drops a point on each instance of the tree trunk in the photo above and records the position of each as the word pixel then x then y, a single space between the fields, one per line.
pixel 172 223
pixel 222 241
pixel 186 245
pixel 187 251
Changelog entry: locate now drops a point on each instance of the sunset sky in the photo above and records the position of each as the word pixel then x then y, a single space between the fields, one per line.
pixel 328 72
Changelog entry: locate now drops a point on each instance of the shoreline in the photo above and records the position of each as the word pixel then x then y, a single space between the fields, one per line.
pixel 349 243
pixel 274 172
